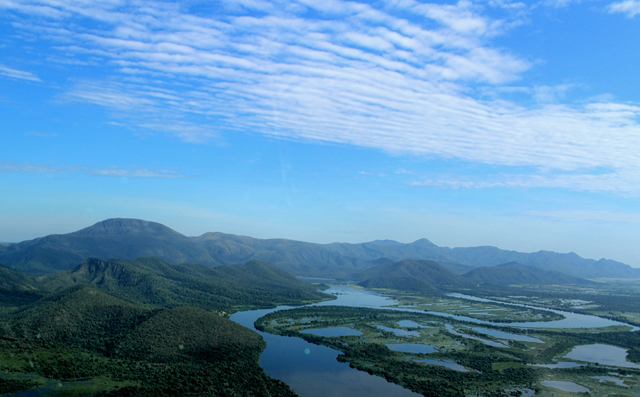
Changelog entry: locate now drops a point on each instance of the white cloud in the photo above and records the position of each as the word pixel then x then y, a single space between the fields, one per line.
pixel 630 8
pixel 18 74
pixel 52 168
pixel 626 185
pixel 403 78
pixel 588 216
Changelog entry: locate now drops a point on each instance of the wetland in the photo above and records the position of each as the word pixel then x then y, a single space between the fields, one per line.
pixel 423 347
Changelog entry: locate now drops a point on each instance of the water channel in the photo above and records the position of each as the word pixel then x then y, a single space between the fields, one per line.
pixel 313 370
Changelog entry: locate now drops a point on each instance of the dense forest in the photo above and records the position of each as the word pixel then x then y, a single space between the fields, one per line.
pixel 140 327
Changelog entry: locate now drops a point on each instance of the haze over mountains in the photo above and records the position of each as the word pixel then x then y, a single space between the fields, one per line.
pixel 133 238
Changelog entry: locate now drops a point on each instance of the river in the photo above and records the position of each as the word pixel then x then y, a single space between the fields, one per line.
pixel 313 371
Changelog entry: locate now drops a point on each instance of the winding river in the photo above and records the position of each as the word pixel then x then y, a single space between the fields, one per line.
pixel 313 370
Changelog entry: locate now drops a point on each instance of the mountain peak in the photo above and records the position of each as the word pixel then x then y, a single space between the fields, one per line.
pixel 126 226
pixel 423 242
pixel 384 242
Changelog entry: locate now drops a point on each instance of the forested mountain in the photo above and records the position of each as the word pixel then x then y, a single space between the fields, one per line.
pixel 516 273
pixel 17 288
pixel 156 282
pixel 410 275
pixel 141 327
pixel 132 238
pixel 128 349
pixel 112 238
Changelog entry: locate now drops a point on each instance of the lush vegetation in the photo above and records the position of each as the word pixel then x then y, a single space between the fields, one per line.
pixel 140 328
pixel 516 273
pixel 410 275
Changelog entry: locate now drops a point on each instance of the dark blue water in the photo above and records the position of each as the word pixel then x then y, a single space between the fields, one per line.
pixel 333 331
pixel 411 348
pixel 312 370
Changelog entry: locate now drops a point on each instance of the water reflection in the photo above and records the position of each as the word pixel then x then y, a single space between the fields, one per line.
pixel 332 331
pixel 411 348
pixel 450 328
pixel 602 354
pixel 443 363
pixel 398 331
pixel 506 335
pixel 312 370
pixel 571 320
pixel 565 386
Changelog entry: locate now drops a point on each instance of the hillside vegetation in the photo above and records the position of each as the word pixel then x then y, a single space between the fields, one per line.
pixel 516 273
pixel 156 282
pixel 142 327
pixel 410 275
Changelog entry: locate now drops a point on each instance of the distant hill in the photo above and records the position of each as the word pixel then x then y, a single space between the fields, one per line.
pixel 410 275
pixel 112 238
pixel 133 238
pixel 456 268
pixel 516 273
pixel 153 281
pixel 17 288
pixel 11 280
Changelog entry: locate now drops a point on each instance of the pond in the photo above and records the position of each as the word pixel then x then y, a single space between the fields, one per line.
pixel 398 331
pixel 332 331
pixel 410 324
pixel 562 365
pixel 450 328
pixel 616 381
pixel 411 348
pixel 443 363
pixel 506 335
pixel 565 386
pixel 601 354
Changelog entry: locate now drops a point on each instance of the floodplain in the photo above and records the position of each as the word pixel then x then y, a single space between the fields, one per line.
pixel 438 345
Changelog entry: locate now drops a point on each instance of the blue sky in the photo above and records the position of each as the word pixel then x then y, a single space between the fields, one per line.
pixel 472 123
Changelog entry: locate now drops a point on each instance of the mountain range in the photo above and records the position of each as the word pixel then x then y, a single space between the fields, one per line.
pixel 133 238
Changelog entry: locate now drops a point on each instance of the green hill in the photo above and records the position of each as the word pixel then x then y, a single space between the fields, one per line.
pixel 187 333
pixel 153 281
pixel 112 238
pixel 17 288
pixel 80 316
pixel 516 273
pixel 410 274
pixel 125 348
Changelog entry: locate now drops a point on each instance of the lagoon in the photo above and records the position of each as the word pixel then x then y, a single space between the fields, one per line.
pixel 602 354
